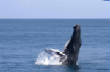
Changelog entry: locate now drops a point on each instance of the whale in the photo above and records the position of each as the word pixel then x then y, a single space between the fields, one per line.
pixel 73 46
pixel 69 56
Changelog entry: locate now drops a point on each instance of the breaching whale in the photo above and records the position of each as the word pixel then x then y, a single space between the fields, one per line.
pixel 71 50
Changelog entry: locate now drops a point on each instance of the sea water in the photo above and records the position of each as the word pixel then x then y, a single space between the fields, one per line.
pixel 23 41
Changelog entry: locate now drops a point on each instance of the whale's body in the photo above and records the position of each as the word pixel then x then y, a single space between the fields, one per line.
pixel 71 50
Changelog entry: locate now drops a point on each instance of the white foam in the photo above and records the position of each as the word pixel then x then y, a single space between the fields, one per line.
pixel 47 59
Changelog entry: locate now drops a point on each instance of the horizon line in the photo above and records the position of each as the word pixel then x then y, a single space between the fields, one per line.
pixel 54 18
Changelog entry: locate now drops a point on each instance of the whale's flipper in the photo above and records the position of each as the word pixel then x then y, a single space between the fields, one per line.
pixel 58 53
pixel 72 47
pixel 54 51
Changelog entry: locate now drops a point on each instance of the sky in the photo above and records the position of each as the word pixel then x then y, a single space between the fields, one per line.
pixel 54 9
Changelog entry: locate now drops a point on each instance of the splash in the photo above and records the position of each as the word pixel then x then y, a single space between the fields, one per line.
pixel 48 59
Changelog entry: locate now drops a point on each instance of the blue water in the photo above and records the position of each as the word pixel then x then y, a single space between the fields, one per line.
pixel 21 40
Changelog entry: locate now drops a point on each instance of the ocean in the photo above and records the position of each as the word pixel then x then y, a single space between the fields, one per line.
pixel 22 40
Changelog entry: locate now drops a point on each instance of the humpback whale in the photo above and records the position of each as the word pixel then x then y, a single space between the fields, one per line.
pixel 71 50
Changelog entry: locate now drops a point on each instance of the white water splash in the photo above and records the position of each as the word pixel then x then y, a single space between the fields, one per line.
pixel 47 59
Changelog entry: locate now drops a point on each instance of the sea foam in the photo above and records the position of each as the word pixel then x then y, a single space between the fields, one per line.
pixel 48 59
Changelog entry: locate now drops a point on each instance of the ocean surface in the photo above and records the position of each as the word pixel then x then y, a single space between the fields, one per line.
pixel 22 40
